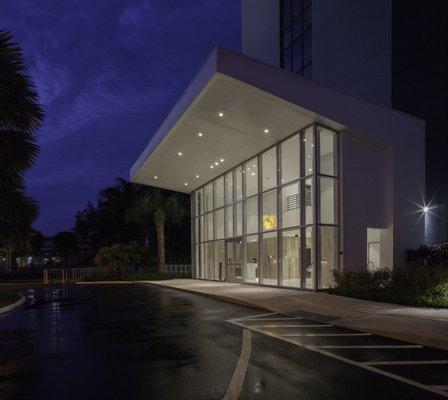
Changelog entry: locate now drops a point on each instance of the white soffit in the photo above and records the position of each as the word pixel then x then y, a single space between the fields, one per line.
pixel 236 136
pixel 253 97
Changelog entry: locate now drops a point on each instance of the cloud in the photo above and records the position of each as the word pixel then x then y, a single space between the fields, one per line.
pixel 107 76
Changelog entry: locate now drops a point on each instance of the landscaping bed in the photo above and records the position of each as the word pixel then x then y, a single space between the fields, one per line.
pixel 8 297
pixel 413 286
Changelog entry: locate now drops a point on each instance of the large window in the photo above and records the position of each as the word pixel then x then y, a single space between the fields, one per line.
pixel 291 205
pixel 269 259
pixel 295 36
pixel 251 274
pixel 229 188
pixel 291 275
pixel 219 223
pixel 328 254
pixel 269 166
pixel 270 210
pixel 290 150
pixel 252 215
pixel 219 192
pixel 251 173
pixel 229 221
pixel 283 208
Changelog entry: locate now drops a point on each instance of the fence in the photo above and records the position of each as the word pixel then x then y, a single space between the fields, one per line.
pixel 178 269
pixel 65 275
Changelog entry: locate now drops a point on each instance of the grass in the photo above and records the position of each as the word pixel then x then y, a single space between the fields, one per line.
pixel 413 286
pixel 147 276
pixel 8 297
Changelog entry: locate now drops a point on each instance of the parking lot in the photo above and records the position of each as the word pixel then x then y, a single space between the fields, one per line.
pixel 416 365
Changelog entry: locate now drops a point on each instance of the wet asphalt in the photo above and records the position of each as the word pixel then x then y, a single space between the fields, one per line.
pixel 145 342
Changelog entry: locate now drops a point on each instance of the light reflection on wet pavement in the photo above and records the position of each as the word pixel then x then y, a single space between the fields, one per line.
pixel 117 342
pixel 144 342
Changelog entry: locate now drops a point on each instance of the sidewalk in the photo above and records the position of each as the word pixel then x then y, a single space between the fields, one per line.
pixel 424 326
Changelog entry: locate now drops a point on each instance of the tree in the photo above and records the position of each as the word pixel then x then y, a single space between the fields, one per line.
pixel 152 206
pixel 65 242
pixel 105 223
pixel 20 117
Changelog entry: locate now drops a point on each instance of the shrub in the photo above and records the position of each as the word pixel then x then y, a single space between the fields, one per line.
pixel 147 276
pixel 428 255
pixel 420 286
pixel 123 255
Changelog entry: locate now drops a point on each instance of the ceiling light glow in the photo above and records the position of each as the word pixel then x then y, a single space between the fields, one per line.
pixel 179 153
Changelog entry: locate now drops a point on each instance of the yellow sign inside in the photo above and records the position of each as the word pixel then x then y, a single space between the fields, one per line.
pixel 269 222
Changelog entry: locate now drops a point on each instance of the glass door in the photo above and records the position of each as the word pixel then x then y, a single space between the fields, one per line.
pixel 234 264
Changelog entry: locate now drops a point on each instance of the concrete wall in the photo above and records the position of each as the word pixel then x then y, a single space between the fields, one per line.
pixel 260 30
pixel 367 199
pixel 351 47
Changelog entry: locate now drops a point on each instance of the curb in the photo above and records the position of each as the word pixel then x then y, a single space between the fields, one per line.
pixel 108 282
pixel 214 296
pixel 403 336
pixel 13 306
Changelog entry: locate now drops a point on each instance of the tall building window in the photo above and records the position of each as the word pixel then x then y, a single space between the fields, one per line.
pixel 296 37
pixel 251 227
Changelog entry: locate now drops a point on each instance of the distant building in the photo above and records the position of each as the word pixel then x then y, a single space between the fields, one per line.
pixel 296 173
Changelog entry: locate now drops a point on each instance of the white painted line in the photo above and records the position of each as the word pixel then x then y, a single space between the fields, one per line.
pixel 346 360
pixel 236 383
pixel 290 326
pixel 328 334
pixel 273 319
pixel 440 387
pixel 423 362
pixel 257 316
pixel 411 346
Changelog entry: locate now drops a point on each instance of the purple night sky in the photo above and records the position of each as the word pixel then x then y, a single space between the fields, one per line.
pixel 107 73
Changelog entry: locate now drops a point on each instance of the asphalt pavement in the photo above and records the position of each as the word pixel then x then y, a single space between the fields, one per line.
pixel 145 342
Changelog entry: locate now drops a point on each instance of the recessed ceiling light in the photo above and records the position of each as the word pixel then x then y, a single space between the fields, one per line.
pixel 216 163
pixel 211 166
pixel 309 169
pixel 253 173
pixel 179 153
pixel 197 176
pixel 266 131
pixel 222 160
pixel 156 177
pixel 221 114
pixel 185 184
pixel 200 134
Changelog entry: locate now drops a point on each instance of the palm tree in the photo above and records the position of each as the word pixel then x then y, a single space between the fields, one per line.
pixel 20 117
pixel 152 206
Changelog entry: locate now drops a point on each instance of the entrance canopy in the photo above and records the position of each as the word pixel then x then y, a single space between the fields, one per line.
pixel 237 107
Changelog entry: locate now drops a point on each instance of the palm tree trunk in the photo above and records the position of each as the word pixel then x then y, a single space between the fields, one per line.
pixel 160 228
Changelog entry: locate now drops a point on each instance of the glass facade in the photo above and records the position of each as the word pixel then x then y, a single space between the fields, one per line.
pixel 279 210
pixel 296 36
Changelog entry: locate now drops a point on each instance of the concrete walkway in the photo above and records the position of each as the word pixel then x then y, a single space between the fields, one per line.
pixel 417 325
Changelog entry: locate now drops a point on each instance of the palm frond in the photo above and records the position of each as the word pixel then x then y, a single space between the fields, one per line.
pixel 19 106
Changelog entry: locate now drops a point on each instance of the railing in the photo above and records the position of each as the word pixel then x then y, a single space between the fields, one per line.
pixel 178 269
pixel 64 275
